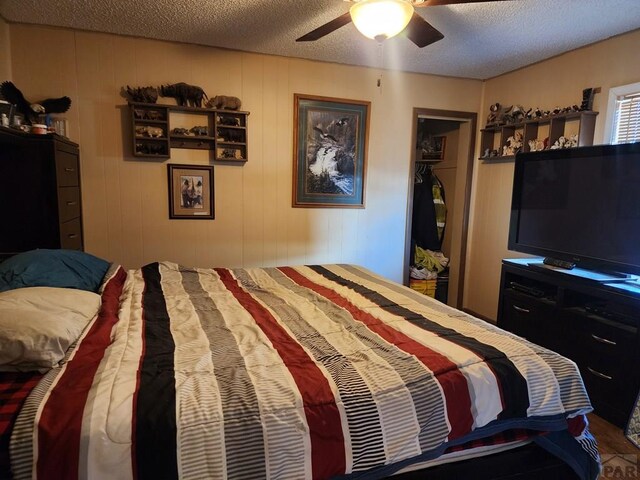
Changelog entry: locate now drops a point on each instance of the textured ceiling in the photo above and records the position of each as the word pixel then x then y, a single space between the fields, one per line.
pixel 482 40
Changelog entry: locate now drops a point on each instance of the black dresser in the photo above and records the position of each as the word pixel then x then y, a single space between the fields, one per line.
pixel 40 195
pixel 595 323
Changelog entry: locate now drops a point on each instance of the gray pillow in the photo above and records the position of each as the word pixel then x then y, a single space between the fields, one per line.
pixel 38 324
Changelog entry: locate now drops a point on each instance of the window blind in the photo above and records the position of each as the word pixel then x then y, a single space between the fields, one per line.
pixel 627 119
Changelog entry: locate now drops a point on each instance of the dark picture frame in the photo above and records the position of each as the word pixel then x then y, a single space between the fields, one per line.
pixel 433 148
pixel 191 195
pixel 330 151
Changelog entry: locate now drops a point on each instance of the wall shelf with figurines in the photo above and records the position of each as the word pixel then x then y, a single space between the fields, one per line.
pixel 216 125
pixel 513 129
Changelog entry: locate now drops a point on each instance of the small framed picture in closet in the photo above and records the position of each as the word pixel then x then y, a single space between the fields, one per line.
pixel 433 148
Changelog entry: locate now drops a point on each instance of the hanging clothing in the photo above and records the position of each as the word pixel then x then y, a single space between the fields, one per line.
pixel 429 213
pixel 439 205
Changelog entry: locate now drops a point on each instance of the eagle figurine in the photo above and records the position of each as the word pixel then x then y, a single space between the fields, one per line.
pixel 12 94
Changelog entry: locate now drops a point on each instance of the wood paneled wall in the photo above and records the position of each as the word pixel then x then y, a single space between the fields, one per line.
pixel 125 199
pixel 5 51
pixel 555 82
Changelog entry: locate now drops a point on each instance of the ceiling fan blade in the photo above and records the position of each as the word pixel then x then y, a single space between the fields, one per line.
pixel 326 29
pixel 435 3
pixel 421 32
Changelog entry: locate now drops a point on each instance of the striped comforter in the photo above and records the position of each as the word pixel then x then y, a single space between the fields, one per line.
pixel 286 373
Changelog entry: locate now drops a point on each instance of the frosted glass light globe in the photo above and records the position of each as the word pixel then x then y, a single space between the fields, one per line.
pixel 381 19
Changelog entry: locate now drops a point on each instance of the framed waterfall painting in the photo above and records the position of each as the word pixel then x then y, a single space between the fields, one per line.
pixel 330 151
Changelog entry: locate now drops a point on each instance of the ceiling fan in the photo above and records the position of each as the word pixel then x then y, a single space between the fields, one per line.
pixel 382 19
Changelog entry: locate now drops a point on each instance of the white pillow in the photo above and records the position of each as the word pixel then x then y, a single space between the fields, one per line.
pixel 37 325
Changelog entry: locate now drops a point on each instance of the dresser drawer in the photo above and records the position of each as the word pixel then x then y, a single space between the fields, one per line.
pixel 68 203
pixel 603 343
pixel 612 391
pixel 67 169
pixel 531 318
pixel 71 235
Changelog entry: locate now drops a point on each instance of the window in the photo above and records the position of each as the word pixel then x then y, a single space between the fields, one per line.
pixel 627 120
pixel 624 114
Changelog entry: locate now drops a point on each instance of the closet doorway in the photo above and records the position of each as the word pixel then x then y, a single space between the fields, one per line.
pixel 443 143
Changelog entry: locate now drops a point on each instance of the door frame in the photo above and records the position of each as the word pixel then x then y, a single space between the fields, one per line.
pixel 434 114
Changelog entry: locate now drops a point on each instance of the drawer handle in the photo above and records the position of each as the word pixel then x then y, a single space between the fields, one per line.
pixel 69 169
pixel 520 309
pixel 72 203
pixel 599 375
pixel 603 340
pixel 72 235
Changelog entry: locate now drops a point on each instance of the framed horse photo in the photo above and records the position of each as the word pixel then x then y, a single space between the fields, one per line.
pixel 330 151
pixel 191 192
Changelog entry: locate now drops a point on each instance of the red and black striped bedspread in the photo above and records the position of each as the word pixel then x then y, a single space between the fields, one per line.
pixel 285 373
pixel 14 389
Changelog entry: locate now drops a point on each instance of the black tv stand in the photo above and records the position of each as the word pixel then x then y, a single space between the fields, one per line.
pixel 582 273
pixel 596 323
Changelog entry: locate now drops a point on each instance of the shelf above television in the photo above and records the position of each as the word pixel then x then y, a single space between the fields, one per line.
pixel 496 137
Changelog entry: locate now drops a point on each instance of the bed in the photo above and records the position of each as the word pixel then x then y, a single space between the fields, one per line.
pixel 316 372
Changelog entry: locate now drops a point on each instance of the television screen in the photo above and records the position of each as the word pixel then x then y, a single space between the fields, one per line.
pixel 580 205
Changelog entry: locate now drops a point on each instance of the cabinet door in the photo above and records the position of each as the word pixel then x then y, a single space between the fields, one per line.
pixel 606 352
pixel 531 318
pixel 28 195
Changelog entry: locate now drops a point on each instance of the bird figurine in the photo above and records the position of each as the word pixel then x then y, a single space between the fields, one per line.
pixel 12 94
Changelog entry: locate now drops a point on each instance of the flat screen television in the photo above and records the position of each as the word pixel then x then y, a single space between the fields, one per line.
pixel 579 205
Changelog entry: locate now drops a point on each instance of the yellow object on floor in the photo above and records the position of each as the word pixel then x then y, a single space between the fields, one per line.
pixel 426 287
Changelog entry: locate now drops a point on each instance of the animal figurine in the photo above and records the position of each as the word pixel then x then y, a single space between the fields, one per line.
pixel 29 110
pixel 514 144
pixel 514 114
pixel 143 94
pixel 185 94
pixel 225 103
pixel 536 145
pixel 139 113
pixel 150 149
pixel 181 131
pixel 157 149
pixel 489 153
pixel 227 120
pixel 199 131
pixel 496 115
pixel 534 114
pixel 231 153
pixel 564 142
pixel 155 132
pixel 229 135
pixel 154 115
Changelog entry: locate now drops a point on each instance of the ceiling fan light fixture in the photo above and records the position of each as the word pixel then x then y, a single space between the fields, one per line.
pixel 381 19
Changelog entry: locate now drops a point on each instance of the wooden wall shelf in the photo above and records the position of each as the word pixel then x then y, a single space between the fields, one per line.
pixel 494 138
pixel 226 132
